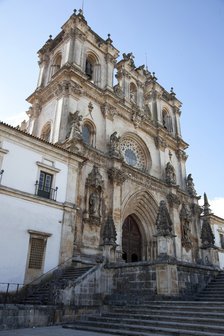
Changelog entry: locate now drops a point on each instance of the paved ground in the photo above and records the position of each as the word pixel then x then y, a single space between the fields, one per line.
pixel 48 331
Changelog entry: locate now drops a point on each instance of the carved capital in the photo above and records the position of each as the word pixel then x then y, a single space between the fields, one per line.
pixel 181 154
pixel 173 200
pixel 160 143
pixel 116 176
pixel 108 110
pixel 138 117
pixel 196 209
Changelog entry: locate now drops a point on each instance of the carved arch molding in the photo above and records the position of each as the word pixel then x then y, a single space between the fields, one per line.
pixel 139 215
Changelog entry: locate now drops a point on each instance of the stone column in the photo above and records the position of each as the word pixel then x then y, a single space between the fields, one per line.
pixel 117 178
pixel 69 223
pixel 166 269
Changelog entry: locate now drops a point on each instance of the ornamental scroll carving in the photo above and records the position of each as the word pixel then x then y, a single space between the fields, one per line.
pixel 94 195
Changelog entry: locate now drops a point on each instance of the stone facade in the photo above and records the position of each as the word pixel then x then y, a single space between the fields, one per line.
pixel 115 155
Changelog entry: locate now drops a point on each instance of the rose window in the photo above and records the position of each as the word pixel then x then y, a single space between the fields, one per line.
pixel 133 154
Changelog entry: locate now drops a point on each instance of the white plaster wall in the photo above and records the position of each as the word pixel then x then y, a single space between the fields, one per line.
pixel 217 227
pixel 47 114
pixel 14 238
pixel 21 170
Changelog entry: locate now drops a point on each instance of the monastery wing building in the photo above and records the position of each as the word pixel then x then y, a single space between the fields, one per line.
pixel 97 175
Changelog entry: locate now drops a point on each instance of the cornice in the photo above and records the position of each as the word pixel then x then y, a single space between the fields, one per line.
pixel 30 197
pixel 38 144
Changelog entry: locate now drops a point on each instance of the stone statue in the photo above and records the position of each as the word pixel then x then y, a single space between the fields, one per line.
pixel 118 91
pixel 190 186
pixel 170 174
pixel 115 144
pixel 75 126
pixel 129 57
pixel 94 204
pixel 163 222
pixel 185 217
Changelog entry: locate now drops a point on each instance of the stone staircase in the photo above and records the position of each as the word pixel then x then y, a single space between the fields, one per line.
pixel 44 293
pixel 176 318
pixel 204 317
pixel 214 290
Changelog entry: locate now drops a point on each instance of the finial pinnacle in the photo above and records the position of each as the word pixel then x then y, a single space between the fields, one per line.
pixel 207 210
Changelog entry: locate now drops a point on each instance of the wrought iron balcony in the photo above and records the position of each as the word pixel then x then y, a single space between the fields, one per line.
pixel 45 191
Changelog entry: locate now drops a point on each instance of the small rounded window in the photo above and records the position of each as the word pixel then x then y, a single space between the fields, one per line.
pixel 86 134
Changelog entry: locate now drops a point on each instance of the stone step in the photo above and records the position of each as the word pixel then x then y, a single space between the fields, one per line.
pixel 218 320
pixel 127 328
pixel 113 331
pixel 174 303
pixel 150 312
pixel 187 325
pixel 197 306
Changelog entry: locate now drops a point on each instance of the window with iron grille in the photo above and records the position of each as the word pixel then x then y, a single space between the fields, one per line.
pixel 37 249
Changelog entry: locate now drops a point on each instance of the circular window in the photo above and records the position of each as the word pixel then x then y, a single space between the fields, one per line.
pixel 133 153
pixel 130 157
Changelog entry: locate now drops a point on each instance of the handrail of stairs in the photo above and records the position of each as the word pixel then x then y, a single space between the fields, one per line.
pixel 9 289
pixel 12 296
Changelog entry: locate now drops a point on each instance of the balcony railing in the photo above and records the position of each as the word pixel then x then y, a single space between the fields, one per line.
pixel 45 192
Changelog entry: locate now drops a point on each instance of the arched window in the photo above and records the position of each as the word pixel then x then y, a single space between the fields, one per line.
pixel 89 68
pixel 92 68
pixel 167 121
pixel 88 133
pixel 46 132
pixel 133 93
pixel 56 65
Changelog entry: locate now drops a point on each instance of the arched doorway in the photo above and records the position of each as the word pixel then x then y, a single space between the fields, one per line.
pixel 131 240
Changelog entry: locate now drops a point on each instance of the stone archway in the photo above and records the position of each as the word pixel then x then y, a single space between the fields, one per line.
pixel 142 208
pixel 131 240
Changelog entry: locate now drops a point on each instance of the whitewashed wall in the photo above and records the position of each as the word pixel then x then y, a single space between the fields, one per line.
pixel 21 169
pixel 14 239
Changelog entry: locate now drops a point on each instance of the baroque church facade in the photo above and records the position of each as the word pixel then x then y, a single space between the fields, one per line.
pixel 101 167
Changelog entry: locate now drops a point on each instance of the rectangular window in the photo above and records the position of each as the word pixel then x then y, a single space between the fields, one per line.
pixel 44 185
pixel 37 248
pixel 222 240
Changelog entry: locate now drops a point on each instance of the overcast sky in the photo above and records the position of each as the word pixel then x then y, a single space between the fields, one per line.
pixel 184 44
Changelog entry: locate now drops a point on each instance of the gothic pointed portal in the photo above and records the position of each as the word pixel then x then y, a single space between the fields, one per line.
pixel 131 240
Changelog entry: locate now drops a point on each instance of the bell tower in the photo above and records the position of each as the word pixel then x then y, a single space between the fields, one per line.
pixel 72 64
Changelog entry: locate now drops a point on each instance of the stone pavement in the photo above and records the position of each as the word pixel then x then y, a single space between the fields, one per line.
pixel 48 331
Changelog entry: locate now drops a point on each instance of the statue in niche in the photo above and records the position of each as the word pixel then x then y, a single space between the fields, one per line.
pixel 74 125
pixel 185 217
pixel 94 197
pixel 170 174
pixel 94 204
pixel 147 112
pixel 115 144
pixel 190 186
